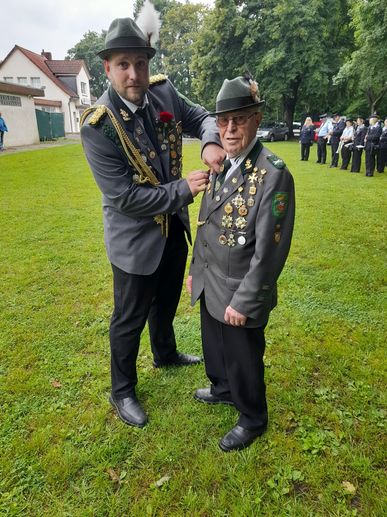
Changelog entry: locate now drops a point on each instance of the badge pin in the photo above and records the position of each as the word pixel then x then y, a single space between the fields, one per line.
pixel 227 221
pixel 125 115
pixel 238 201
pixel 163 147
pixel 263 172
pixel 174 171
pixel 248 164
pixel 241 240
pixel 222 239
pixel 231 240
pixel 152 155
pixel 240 189
pixel 228 208
pixel 234 180
pixel 250 201
pixel 217 198
pixel 242 210
pixel 173 154
pixel 225 190
pixel 277 237
pixel 172 138
pixel 253 177
pixel 252 190
pixel 240 223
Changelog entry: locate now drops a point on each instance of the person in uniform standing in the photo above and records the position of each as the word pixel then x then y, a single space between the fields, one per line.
pixel 244 231
pixel 346 143
pixel 372 144
pixel 306 138
pixel 338 126
pixel 132 139
pixel 322 138
pixel 358 144
pixel 382 161
pixel 3 129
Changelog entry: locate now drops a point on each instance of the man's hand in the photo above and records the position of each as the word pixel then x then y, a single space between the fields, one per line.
pixel 234 318
pixel 197 181
pixel 213 155
pixel 188 284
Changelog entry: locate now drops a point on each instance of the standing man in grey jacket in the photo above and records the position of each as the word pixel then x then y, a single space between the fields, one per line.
pixel 132 139
pixel 244 231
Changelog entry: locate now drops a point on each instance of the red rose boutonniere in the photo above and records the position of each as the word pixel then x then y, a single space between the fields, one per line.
pixel 165 116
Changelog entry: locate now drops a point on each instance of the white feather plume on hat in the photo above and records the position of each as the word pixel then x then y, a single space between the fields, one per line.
pixel 148 20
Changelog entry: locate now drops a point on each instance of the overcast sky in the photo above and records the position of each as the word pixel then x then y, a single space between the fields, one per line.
pixel 56 26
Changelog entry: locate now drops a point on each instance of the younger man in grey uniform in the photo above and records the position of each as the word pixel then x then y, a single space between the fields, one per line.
pixel 133 142
pixel 244 231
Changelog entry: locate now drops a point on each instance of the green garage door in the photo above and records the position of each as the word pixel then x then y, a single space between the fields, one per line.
pixel 50 125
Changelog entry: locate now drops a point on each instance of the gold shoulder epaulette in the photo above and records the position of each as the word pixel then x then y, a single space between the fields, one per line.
pixel 157 79
pixel 99 111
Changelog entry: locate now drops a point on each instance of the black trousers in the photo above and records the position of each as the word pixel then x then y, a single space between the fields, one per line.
pixel 335 155
pixel 356 159
pixel 371 154
pixel 138 298
pixel 382 159
pixel 305 148
pixel 345 156
pixel 234 364
pixel 321 150
pixel 1 138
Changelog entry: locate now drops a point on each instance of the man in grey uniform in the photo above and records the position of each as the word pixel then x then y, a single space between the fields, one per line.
pixel 132 139
pixel 244 231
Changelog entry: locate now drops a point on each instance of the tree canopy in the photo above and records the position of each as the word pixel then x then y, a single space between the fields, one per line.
pixel 308 56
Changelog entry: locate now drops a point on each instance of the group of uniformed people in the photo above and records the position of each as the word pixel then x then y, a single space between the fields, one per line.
pixel 349 138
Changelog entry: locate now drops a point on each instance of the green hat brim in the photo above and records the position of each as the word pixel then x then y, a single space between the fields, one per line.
pixel 234 104
pixel 106 52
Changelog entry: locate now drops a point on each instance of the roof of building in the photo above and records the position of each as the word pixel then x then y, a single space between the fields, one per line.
pixel 41 63
pixel 66 67
pixel 47 102
pixel 19 89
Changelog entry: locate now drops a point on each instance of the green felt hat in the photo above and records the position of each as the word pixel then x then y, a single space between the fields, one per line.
pixel 124 34
pixel 237 94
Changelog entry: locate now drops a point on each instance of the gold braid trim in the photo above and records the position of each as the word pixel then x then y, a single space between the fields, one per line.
pixel 145 174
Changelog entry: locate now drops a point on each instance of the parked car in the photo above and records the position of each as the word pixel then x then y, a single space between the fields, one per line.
pixel 270 131
pixel 296 129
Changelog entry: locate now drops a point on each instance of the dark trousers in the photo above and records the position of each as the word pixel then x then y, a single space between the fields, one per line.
pixel 321 150
pixel 138 298
pixel 234 364
pixel 356 159
pixel 371 154
pixel 345 156
pixel 382 159
pixel 335 154
pixel 305 148
pixel 1 139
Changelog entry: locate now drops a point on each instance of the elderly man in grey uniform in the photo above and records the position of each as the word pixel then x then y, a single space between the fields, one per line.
pixel 244 231
pixel 132 139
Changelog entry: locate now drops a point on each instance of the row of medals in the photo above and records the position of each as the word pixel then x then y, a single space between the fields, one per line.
pixel 174 141
pixel 237 210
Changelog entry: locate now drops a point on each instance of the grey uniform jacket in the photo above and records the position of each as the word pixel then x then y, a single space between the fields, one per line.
pixel 133 238
pixel 237 259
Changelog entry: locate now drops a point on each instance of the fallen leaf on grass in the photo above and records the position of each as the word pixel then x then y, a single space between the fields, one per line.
pixel 348 487
pixel 161 481
pixel 113 476
pixel 56 384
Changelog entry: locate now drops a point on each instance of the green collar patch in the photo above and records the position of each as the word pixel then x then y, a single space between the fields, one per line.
pixel 276 161
pixel 279 204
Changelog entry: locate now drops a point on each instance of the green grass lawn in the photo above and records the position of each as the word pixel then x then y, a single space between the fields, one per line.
pixel 63 450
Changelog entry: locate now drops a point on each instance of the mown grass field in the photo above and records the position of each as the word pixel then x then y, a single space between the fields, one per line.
pixel 63 450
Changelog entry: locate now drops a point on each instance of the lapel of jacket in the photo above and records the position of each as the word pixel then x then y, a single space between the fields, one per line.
pixel 234 181
pixel 134 128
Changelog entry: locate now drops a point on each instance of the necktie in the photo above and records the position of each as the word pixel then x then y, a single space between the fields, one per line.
pixel 148 126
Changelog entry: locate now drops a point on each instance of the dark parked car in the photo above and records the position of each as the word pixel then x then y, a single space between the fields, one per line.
pixel 270 131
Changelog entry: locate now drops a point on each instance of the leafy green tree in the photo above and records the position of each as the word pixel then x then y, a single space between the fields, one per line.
pixel 181 24
pixel 86 49
pixel 365 73
pixel 217 51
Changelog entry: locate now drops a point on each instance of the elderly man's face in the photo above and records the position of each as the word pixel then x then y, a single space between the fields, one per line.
pixel 237 129
pixel 129 75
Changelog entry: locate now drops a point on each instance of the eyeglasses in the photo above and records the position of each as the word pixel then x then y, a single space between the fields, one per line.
pixel 238 120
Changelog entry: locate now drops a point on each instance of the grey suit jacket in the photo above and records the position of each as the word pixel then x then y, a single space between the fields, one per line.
pixel 133 238
pixel 243 239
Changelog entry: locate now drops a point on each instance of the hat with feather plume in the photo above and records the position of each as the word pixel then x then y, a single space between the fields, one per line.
pixel 238 94
pixel 126 34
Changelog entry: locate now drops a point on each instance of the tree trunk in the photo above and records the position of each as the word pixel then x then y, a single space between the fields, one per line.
pixel 289 104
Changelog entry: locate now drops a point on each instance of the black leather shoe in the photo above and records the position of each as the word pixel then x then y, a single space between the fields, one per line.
pixel 180 360
pixel 205 395
pixel 129 410
pixel 240 438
